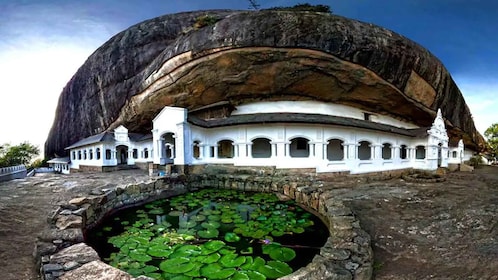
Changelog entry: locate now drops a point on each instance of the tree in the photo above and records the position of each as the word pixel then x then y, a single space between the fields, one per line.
pixel 19 154
pixel 491 135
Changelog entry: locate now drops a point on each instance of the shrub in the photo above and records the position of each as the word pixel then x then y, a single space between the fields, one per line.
pixel 205 20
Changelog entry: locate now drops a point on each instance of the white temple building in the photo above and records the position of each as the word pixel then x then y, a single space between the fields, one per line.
pixel 284 134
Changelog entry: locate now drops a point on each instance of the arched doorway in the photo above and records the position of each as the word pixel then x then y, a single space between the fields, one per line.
pixel 364 150
pixel 167 148
pixel 386 151
pixel 439 154
pixel 299 147
pixel 261 148
pixel 335 150
pixel 225 149
pixel 122 154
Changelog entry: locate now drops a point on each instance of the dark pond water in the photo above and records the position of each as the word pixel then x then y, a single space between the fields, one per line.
pixel 211 234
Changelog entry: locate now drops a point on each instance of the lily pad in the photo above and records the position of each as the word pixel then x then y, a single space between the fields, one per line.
pixel 176 265
pixel 231 237
pixel 139 256
pixel 156 211
pixel 187 224
pixel 210 224
pixel 212 258
pixel 232 260
pixel 275 269
pixel 208 233
pixel 216 271
pixel 282 254
pixel 159 251
pixel 175 213
pixel 212 246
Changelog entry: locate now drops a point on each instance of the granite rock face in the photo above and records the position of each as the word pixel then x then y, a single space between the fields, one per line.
pixel 249 56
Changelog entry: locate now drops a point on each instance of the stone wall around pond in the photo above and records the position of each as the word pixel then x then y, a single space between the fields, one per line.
pixel 62 254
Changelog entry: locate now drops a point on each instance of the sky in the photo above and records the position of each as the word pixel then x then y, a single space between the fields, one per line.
pixel 44 42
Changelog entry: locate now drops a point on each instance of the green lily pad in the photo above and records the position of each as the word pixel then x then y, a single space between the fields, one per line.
pixel 176 265
pixel 159 251
pixel 212 246
pixel 231 237
pixel 247 251
pixel 277 233
pixel 216 271
pixel 212 258
pixel 214 217
pixel 139 256
pixel 232 260
pixel 210 225
pixel 156 211
pixel 275 269
pixel 208 233
pixel 283 254
pixel 298 230
pixel 175 213
pixel 199 218
pixel 187 224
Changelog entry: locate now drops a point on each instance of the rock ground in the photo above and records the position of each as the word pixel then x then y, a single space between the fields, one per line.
pixel 446 230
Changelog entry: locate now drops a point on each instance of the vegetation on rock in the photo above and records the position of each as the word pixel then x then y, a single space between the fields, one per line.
pixel 306 7
pixel 205 20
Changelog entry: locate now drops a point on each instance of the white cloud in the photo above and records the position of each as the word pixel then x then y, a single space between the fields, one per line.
pixel 481 97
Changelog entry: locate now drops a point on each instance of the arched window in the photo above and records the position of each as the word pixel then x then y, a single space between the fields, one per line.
pixel 90 154
pixel 261 148
pixel 135 153
pixel 74 155
pixel 196 150
pixel 79 155
pixel 225 149
pixel 299 147
pixel 335 150
pixel 402 152
pixel 98 153
pixel 146 153
pixel 168 146
pixel 454 154
pixel 420 152
pixel 364 151
pixel 107 153
pixel 84 155
pixel 386 151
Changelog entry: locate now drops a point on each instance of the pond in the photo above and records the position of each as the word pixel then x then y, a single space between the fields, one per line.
pixel 211 234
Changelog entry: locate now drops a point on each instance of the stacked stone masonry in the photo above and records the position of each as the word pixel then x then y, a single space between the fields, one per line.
pixel 62 254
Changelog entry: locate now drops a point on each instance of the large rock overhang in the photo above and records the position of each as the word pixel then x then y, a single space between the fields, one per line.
pixel 255 56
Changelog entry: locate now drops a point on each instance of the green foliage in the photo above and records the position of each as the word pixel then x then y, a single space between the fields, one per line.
pixel 205 20
pixel 306 7
pixel 16 155
pixel 475 161
pixel 491 135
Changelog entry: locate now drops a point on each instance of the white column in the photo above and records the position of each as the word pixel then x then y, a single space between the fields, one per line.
pixel 249 150
pixel 273 147
pixel 215 151
pixel 287 149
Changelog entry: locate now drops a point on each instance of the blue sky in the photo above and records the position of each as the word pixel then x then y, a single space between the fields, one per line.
pixel 43 43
